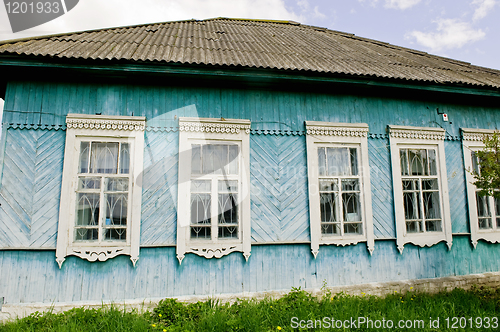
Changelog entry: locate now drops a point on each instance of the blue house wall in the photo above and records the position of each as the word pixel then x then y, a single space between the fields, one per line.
pixel 32 157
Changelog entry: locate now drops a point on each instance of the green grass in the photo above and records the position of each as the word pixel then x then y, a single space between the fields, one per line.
pixel 278 314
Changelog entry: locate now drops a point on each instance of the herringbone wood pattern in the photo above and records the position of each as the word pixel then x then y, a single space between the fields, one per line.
pixel 278 177
pixel 30 189
pixel 159 188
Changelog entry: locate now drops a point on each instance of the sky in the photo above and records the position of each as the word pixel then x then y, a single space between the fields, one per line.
pixel 465 30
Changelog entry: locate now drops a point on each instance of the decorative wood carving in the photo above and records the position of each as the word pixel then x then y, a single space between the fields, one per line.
pixel 416 133
pixel 107 124
pixel 329 131
pixel 220 128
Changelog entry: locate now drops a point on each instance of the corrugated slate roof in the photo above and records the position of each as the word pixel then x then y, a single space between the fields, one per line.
pixel 284 45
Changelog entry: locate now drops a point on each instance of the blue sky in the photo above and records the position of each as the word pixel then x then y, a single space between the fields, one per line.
pixel 465 30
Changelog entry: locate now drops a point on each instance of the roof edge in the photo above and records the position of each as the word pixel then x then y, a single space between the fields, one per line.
pixel 259 74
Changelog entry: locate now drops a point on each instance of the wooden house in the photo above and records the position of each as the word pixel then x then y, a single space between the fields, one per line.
pixel 234 156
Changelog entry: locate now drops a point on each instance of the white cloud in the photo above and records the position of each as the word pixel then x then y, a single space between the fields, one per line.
pixel 484 7
pixel 397 4
pixel 451 33
pixel 303 5
pixel 94 14
pixel 318 14
pixel 401 4
pixel 373 3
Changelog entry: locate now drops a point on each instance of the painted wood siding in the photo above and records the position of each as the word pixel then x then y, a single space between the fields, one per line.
pixel 48 103
pixel 384 224
pixel 457 187
pixel 279 197
pixel 279 204
pixel 30 188
pixel 29 276
pixel 159 188
pixel 279 200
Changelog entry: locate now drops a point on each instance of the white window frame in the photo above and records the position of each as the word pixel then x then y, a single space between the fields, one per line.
pixel 203 131
pixel 97 128
pixel 402 137
pixel 472 140
pixel 328 134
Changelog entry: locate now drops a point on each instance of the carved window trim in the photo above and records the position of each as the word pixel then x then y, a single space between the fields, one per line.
pixel 202 131
pixel 327 134
pixel 472 141
pixel 97 128
pixel 402 137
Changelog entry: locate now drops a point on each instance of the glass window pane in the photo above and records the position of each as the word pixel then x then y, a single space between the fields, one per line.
pixel 115 234
pixel 322 161
pixel 432 162
pixel 485 223
pixel 117 184
pixel 338 161
pixel 409 184
pixel 228 186
pixel 417 161
pixel 116 209
pixel 353 228
pixel 233 159
pixel 198 232
pixel 354 161
pixel 84 157
pixel 433 226
pixel 124 158
pixel 430 184
pixel 228 209
pixel 195 159
pixel 200 209
pixel 86 234
pixel 328 185
pixel 330 229
pixel 475 162
pixel 201 186
pixel 350 184
pixel 104 158
pixel 220 157
pixel 228 232
pixel 483 207
pixel 328 207
pixel 414 226
pixel 87 209
pixel 207 163
pixel 351 207
pixel 432 210
pixel 88 183
pixel 411 202
pixel 403 157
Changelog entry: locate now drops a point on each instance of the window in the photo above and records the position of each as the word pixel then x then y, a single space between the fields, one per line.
pixel 484 211
pixel 421 199
pixel 100 203
pixel 213 217
pixel 420 186
pixel 339 184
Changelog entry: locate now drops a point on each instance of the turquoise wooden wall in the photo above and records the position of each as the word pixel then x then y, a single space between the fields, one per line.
pixel 30 188
pixel 279 197
pixel 31 177
pixel 43 103
pixel 33 276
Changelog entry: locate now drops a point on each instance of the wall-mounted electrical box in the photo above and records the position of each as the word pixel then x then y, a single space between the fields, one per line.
pixel 445 117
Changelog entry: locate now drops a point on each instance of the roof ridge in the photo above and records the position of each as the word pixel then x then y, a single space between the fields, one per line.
pixel 17 40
